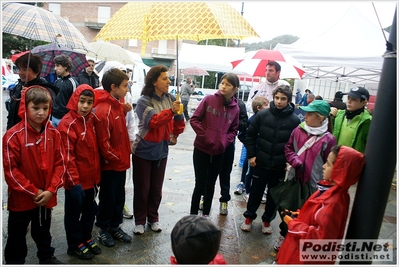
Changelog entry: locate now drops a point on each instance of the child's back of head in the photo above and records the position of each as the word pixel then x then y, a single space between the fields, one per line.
pixel 195 240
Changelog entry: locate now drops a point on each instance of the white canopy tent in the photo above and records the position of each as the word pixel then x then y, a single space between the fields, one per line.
pixel 350 51
pixel 209 57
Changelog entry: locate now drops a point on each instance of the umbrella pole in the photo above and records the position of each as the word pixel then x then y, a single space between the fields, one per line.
pixel 177 70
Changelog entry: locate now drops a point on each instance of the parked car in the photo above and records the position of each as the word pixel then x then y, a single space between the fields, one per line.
pixel 244 90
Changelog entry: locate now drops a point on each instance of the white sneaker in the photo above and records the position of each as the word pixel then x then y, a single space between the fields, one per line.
pixel 263 198
pixel 247 225
pixel 155 226
pixel 266 229
pixel 138 229
pixel 246 197
pixel 278 243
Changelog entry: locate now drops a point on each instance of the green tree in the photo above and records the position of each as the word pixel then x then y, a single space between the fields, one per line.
pixel 14 44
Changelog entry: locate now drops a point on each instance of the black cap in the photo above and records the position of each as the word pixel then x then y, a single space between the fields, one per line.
pixel 359 92
pixel 339 95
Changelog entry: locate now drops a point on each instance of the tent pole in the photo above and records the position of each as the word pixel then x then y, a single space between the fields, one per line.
pixel 374 186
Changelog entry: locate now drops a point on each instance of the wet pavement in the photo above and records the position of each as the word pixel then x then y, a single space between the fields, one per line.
pixel 153 248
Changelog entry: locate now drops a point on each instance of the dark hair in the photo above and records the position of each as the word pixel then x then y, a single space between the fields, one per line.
pixel 275 64
pixel 113 76
pixel 87 93
pixel 64 61
pixel 335 149
pixel 90 60
pixel 232 79
pixel 151 77
pixel 284 89
pixel 318 97
pixel 38 95
pixel 35 62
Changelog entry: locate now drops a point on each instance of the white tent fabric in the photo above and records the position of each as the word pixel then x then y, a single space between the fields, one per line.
pixel 350 51
pixel 209 57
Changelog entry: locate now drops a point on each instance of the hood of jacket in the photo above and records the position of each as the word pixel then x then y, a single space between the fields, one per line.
pixel 22 106
pixel 74 100
pixel 102 95
pixel 348 167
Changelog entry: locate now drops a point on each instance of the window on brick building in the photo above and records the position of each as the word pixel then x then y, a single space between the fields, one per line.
pixel 104 13
pixel 55 8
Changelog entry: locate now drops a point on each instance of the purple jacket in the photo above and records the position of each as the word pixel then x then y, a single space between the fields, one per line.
pixel 215 124
pixel 309 164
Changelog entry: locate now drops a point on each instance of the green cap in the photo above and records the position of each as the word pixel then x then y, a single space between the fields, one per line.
pixel 319 106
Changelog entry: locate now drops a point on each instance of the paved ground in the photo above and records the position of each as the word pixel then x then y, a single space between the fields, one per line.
pixel 237 247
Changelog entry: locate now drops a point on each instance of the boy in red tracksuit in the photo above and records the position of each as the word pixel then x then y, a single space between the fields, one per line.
pixel 114 145
pixel 33 161
pixel 83 173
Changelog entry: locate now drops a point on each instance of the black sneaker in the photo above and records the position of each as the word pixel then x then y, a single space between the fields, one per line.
pixel 121 235
pixel 52 260
pixel 93 247
pixel 82 252
pixel 105 237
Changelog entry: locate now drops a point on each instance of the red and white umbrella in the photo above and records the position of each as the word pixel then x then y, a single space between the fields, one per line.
pixel 254 63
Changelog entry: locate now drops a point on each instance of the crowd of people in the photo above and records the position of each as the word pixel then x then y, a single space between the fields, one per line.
pixel 78 133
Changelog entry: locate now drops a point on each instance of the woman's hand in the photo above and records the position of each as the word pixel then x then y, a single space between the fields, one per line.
pixel 176 107
pixel 173 140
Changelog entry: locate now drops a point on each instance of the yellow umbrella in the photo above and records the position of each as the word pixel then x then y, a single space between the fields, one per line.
pixel 150 21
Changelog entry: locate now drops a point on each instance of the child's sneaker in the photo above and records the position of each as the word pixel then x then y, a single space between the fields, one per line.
pixel 126 213
pixel 93 247
pixel 121 235
pixel 240 189
pixel 263 198
pixel 247 225
pixel 201 204
pixel 278 243
pixel 223 208
pixel 105 237
pixel 267 228
pixel 81 252
pixel 246 197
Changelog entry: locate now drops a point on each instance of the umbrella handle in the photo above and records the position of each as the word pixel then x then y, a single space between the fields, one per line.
pixel 181 105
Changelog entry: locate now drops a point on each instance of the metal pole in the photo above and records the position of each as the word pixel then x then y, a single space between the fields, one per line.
pixel 374 186
pixel 242 14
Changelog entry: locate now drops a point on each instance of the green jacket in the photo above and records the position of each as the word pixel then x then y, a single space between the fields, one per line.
pixel 359 139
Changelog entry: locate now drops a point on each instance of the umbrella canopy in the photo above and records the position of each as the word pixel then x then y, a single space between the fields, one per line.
pixel 14 57
pixel 107 51
pixel 143 21
pixel 195 71
pixel 36 23
pixel 254 63
pixel 49 51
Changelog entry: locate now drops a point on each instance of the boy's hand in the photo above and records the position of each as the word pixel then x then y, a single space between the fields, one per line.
pixel 43 198
pixel 127 107
pixel 252 162
pixel 37 194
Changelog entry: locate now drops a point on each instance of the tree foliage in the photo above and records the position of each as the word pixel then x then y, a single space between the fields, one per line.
pixel 14 44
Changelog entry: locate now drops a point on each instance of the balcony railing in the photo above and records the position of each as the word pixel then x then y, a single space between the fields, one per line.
pixel 95 23
pixel 160 53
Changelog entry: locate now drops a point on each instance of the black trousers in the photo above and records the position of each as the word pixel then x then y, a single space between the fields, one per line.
pixel 206 169
pixel 79 218
pixel 16 249
pixel 111 199
pixel 225 171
